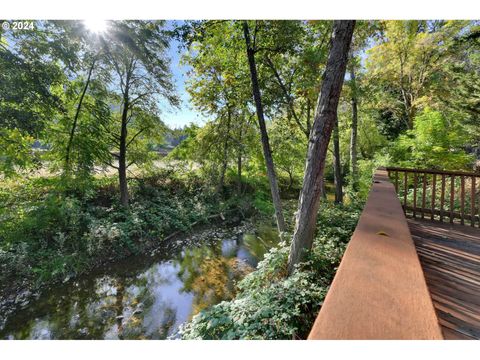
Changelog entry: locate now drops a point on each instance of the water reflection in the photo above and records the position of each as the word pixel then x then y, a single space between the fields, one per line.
pixel 145 298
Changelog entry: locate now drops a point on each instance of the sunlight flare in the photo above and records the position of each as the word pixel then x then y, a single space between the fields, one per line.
pixel 96 26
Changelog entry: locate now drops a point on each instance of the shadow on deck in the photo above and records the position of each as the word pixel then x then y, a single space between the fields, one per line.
pixel 450 258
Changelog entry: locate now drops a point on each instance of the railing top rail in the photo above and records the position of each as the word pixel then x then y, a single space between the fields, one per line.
pixel 379 290
pixel 432 171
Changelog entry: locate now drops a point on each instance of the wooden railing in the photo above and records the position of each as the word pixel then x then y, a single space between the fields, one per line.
pixel 368 299
pixel 438 195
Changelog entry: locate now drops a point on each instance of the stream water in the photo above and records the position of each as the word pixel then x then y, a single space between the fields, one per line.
pixel 146 297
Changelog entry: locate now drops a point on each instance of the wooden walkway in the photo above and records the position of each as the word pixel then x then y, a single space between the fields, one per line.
pixel 450 257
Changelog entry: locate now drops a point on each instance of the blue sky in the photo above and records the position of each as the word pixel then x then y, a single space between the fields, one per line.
pixel 186 114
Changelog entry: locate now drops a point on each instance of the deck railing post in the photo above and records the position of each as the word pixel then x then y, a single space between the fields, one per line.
pixel 462 200
pixel 472 201
pixel 414 195
pixel 424 189
pixel 396 182
pixel 456 206
pixel 432 207
pixel 442 198
pixel 452 197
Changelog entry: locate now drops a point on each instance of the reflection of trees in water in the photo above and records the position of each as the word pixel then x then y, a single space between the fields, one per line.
pixel 145 305
pixel 119 307
pixel 87 311
pixel 107 307
pixel 210 276
pixel 258 244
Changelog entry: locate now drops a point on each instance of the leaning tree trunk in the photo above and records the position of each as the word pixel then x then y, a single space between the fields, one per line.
pixel 239 172
pixel 122 156
pixel 75 119
pixel 337 166
pixel 221 183
pixel 239 162
pixel 353 136
pixel 223 170
pixel 267 153
pixel 323 124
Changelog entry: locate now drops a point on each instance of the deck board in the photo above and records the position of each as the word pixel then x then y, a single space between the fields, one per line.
pixel 450 258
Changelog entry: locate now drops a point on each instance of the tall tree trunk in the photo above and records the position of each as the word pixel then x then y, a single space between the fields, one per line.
pixel 221 183
pixel 122 157
pixel 353 136
pixel 323 190
pixel 337 166
pixel 323 124
pixel 75 119
pixel 239 171
pixel 309 108
pixel 267 153
pixel 239 162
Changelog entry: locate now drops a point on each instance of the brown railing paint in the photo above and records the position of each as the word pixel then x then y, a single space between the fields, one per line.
pixel 367 298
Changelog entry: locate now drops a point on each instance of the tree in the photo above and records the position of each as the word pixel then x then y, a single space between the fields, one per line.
pixel 219 88
pixel 337 166
pixel 77 114
pixel 434 142
pixel 296 65
pixel 135 51
pixel 354 132
pixel 323 124
pixel 33 65
pixel 267 153
pixel 364 30
pixel 407 65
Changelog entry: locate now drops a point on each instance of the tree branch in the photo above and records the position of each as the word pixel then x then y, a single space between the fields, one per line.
pixel 134 136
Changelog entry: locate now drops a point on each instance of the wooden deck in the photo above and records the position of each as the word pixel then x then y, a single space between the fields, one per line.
pixel 450 257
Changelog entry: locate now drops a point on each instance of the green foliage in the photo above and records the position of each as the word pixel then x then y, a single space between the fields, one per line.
pixel 15 152
pixel 276 312
pixel 33 63
pixel 270 306
pixel 434 142
pixel 367 168
pixel 50 229
pixel 417 89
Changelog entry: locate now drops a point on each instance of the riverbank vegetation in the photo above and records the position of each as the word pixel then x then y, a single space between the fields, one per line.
pixel 270 305
pixel 53 230
pixel 296 117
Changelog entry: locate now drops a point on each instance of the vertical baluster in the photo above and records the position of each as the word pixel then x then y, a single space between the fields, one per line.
pixel 472 201
pixel 414 194
pixel 434 184
pixel 405 180
pixel 442 198
pixel 396 182
pixel 452 196
pixel 462 200
pixel 424 189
